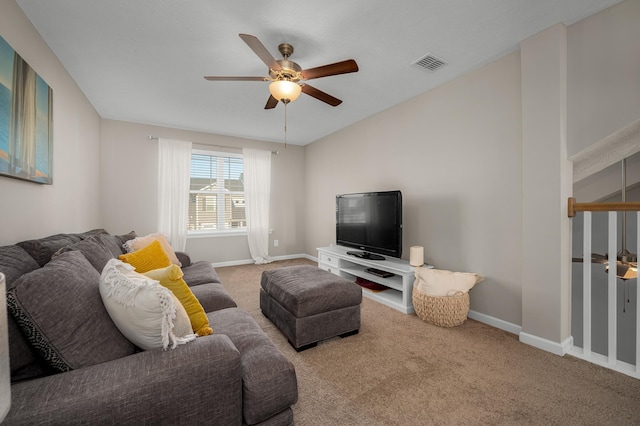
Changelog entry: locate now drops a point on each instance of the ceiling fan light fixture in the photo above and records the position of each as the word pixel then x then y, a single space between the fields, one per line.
pixel 624 272
pixel 285 91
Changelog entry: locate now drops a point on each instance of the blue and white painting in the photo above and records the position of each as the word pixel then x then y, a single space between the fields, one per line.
pixel 26 120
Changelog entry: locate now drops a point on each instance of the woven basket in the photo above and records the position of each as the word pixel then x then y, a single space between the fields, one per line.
pixel 443 311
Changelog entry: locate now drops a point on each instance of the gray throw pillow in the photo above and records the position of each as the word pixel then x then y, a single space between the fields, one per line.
pixel 93 250
pixel 111 242
pixel 124 238
pixel 59 309
pixel 43 248
pixel 14 262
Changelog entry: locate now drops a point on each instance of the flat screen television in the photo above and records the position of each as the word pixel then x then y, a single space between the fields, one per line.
pixel 370 222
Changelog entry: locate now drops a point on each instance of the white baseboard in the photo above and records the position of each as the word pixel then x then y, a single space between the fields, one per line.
pixel 233 263
pixel 529 339
pixel 602 360
pixel 547 345
pixel 251 262
pixel 495 322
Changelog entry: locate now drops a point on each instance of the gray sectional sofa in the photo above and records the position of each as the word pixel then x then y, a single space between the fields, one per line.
pixel 235 376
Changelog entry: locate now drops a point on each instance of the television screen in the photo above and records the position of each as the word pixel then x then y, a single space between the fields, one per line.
pixel 371 222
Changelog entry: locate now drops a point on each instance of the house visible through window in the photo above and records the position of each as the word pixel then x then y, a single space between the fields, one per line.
pixel 216 194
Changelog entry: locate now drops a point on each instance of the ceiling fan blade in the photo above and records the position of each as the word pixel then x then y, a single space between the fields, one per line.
pixel 231 78
pixel 320 95
pixel 343 67
pixel 262 52
pixel 599 258
pixel 271 103
pixel 595 258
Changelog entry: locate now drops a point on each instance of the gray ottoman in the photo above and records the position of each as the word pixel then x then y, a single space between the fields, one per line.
pixel 309 304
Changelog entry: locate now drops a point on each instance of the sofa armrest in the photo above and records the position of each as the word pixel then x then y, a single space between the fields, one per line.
pixel 196 383
pixel 184 258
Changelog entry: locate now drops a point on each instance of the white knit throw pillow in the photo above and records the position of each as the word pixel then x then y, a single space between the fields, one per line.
pixel 440 282
pixel 145 312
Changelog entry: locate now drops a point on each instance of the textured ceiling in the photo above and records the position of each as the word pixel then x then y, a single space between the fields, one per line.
pixel 144 60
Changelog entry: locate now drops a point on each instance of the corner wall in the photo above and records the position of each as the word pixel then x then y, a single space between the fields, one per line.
pixel 72 203
pixel 547 183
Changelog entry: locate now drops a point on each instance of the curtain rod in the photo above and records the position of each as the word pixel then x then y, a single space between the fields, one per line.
pixel 155 138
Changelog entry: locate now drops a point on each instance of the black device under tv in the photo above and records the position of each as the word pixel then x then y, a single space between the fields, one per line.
pixel 365 255
pixel 370 222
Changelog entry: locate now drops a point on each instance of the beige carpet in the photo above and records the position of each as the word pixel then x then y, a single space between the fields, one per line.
pixel 402 371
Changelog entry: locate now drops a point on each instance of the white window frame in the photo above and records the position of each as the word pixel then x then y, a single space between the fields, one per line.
pixel 207 233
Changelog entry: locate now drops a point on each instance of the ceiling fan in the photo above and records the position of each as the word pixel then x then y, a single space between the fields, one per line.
pixel 627 262
pixel 287 77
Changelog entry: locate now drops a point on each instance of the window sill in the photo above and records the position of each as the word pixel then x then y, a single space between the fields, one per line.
pixel 215 234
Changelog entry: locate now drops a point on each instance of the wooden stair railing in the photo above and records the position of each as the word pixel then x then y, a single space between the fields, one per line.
pixel 600 207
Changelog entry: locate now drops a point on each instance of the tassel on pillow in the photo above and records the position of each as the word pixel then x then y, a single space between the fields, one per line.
pixel 171 278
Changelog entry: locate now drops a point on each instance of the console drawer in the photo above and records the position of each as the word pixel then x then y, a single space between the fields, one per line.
pixel 329 259
pixel 329 268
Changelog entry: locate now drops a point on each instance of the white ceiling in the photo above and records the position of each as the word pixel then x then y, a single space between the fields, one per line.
pixel 144 60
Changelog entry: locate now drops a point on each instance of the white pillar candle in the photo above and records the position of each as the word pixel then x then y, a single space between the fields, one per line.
pixel 416 256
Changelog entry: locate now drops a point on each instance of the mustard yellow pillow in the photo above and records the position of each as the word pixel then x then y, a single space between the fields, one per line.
pixel 171 278
pixel 148 258
pixel 141 242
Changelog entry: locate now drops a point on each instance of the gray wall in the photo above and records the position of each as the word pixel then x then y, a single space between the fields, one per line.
pixel 72 203
pixel 604 65
pixel 455 153
pixel 130 196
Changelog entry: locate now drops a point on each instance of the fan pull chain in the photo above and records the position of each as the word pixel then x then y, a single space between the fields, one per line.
pixel 285 125
pixel 626 296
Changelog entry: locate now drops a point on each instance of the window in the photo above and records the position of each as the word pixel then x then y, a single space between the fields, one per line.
pixel 216 193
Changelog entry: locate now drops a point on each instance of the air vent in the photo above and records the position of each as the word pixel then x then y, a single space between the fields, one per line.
pixel 430 62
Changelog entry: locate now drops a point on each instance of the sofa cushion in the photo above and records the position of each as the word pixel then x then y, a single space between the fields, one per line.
pixel 24 362
pixel 141 242
pixel 59 309
pixel 15 262
pixel 147 313
pixel 91 233
pixel 171 278
pixel 200 273
pixel 183 258
pixel 213 296
pixel 110 242
pixel 98 249
pixel 93 249
pixel 269 383
pixel 42 249
pixel 148 258
pixel 122 239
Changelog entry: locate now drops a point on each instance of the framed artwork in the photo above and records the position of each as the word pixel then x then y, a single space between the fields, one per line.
pixel 26 120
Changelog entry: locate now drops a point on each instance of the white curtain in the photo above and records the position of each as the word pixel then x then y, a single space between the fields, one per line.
pixel 257 192
pixel 174 167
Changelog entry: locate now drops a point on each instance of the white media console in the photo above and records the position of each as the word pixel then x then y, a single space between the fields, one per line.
pixel 400 286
